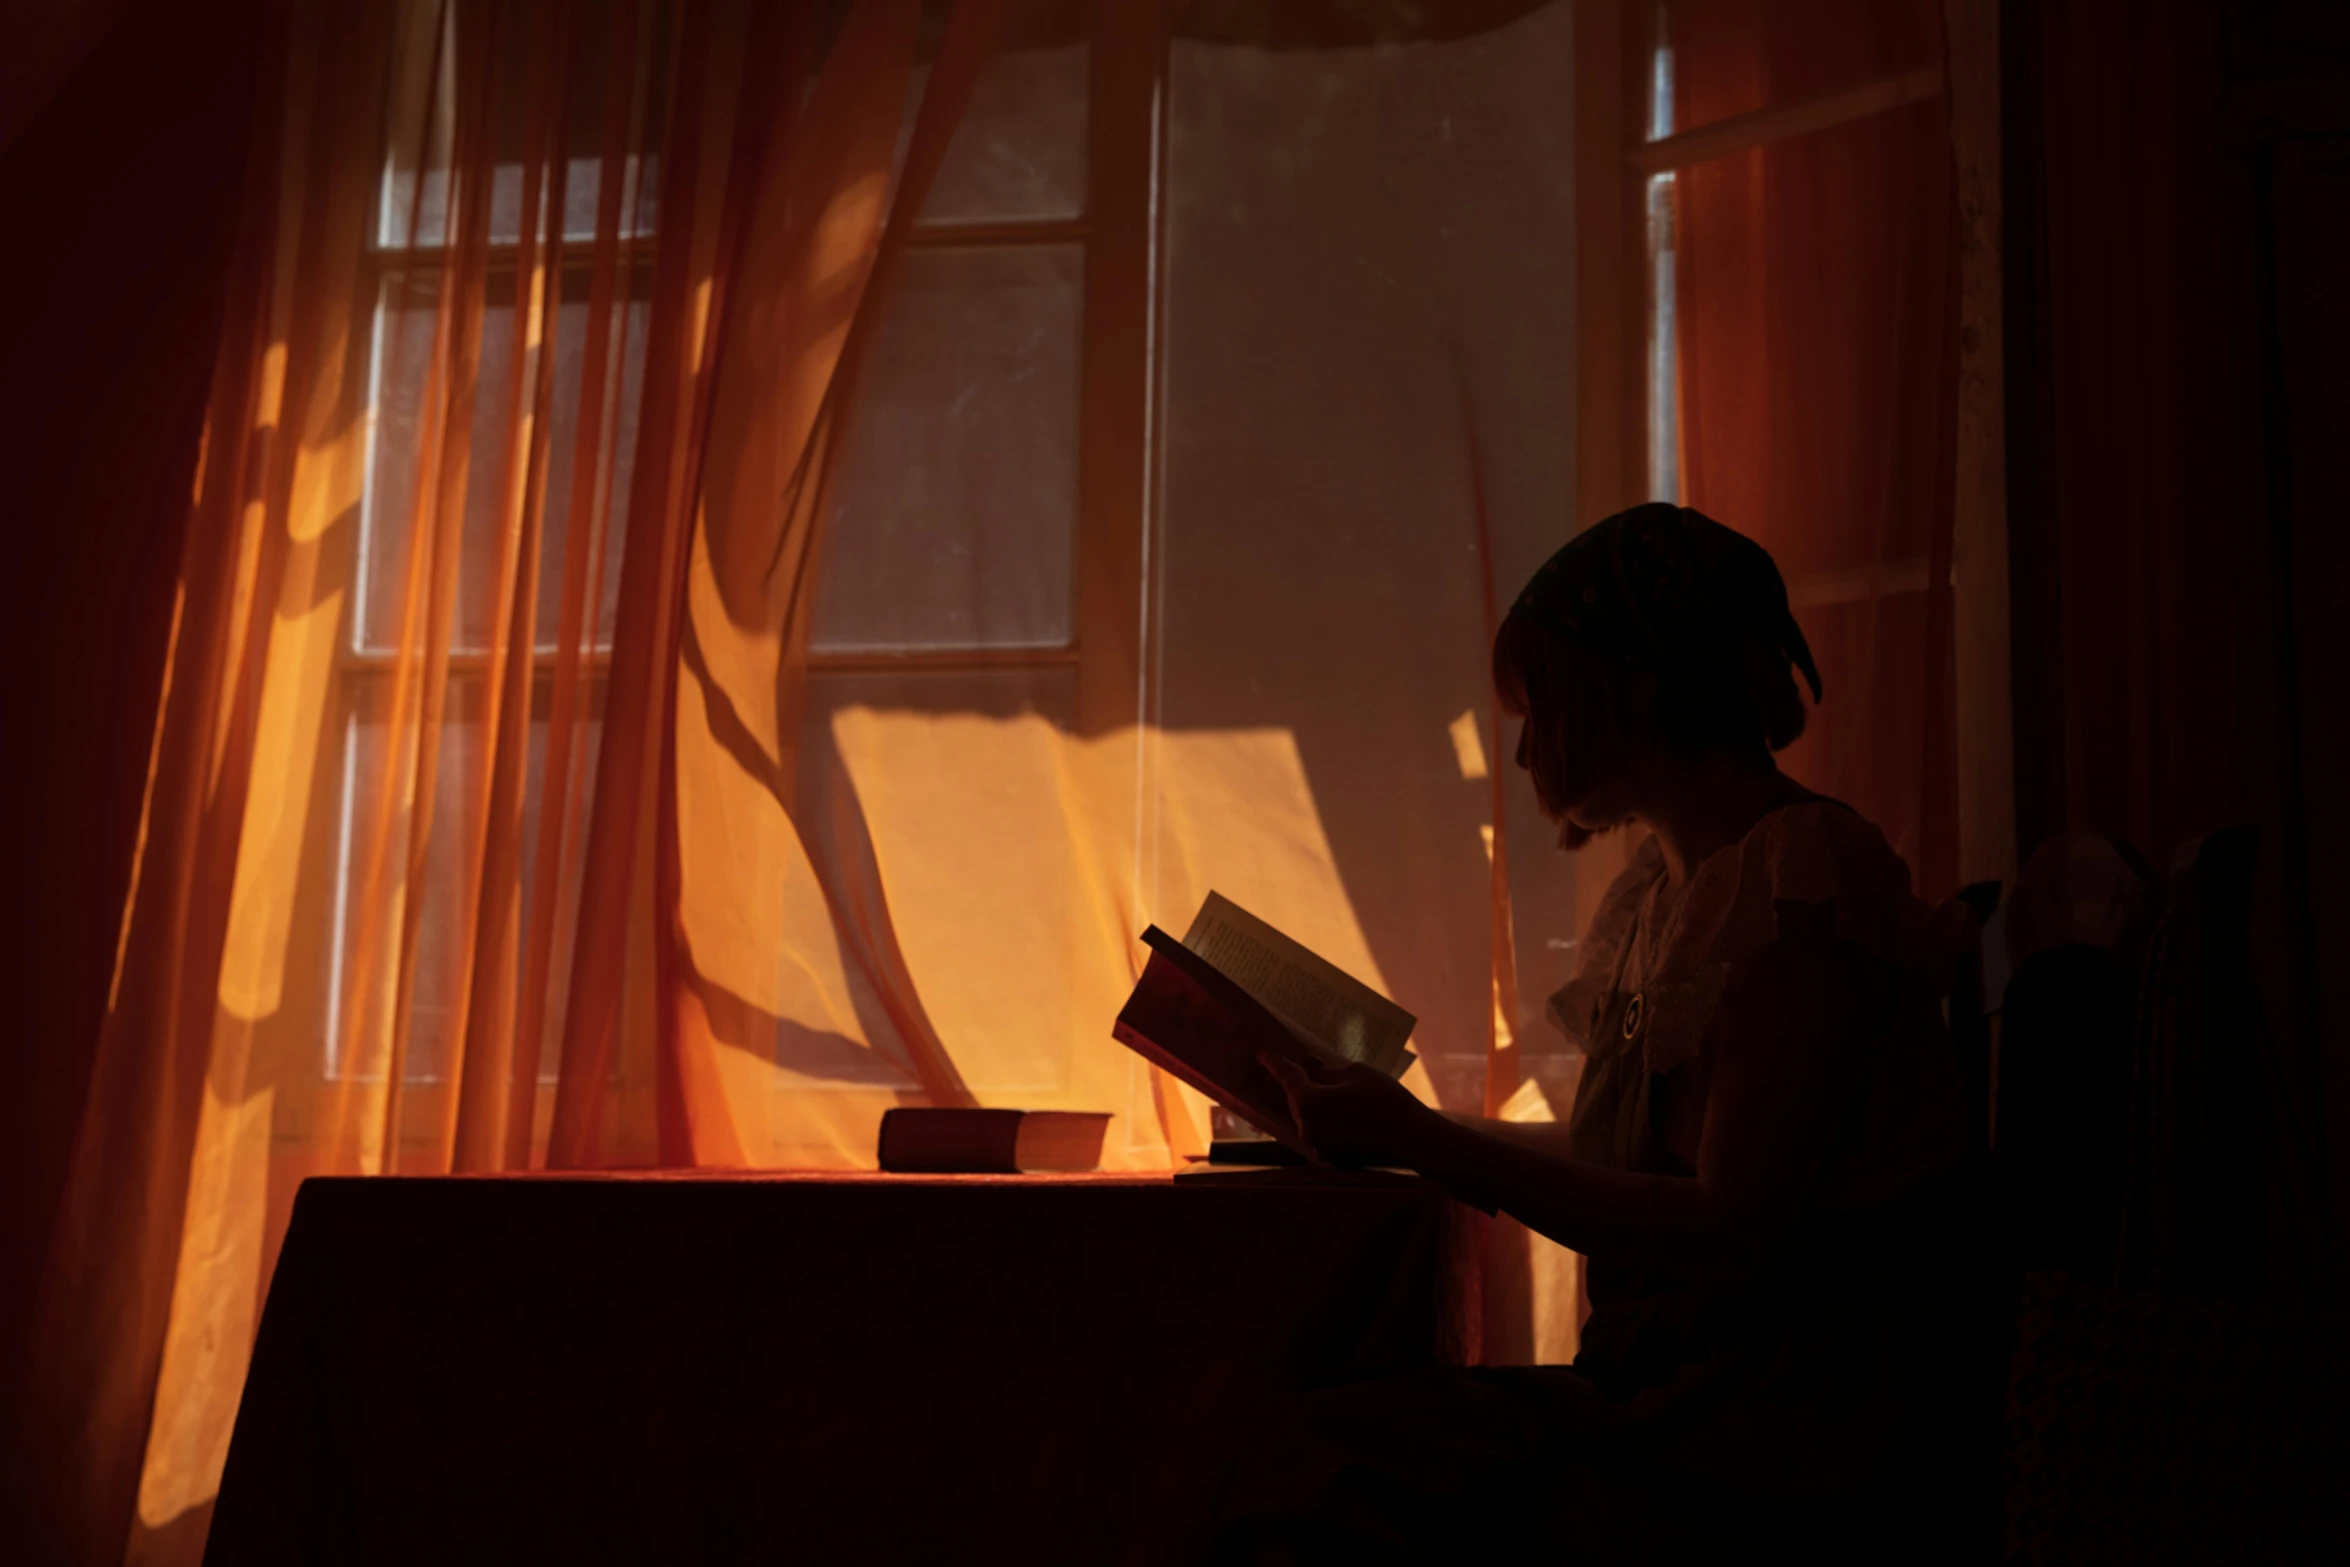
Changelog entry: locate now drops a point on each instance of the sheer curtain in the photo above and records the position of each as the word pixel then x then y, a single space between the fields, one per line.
pixel 534 302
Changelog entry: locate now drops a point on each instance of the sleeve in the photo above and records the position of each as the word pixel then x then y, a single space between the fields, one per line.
pixel 1823 850
pixel 1916 1120
pixel 1804 853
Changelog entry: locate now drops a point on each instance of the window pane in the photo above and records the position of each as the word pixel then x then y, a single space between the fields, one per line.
pixel 436 1016
pixel 582 185
pixel 954 519
pixel 434 1010
pixel 406 319
pixel 1018 153
pixel 421 132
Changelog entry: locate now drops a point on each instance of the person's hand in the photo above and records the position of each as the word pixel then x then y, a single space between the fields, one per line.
pixel 1349 1115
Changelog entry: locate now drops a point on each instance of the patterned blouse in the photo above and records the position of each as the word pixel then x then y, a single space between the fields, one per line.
pixel 1794 1373
pixel 1645 998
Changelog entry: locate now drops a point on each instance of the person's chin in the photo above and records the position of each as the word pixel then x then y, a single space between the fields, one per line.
pixel 1579 827
pixel 1592 818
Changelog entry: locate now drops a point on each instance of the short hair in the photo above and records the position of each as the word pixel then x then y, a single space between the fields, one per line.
pixel 1739 695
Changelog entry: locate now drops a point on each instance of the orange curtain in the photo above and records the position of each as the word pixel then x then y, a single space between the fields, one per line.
pixel 1817 314
pixel 541 331
pixel 732 585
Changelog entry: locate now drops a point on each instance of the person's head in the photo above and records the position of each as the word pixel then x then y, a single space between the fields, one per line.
pixel 1652 640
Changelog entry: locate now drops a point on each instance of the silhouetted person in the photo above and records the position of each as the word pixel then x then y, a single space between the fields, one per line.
pixel 1759 1160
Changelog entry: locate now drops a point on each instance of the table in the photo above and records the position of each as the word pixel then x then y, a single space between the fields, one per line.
pixel 798 1368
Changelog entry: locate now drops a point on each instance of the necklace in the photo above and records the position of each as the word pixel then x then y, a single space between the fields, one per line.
pixel 1636 953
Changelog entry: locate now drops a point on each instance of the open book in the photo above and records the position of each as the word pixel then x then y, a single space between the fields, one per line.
pixel 1233 987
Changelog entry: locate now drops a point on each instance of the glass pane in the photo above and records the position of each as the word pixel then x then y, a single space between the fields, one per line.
pixel 436 1006
pixel 582 188
pixel 1019 152
pixel 405 322
pixel 434 1015
pixel 955 509
pixel 422 131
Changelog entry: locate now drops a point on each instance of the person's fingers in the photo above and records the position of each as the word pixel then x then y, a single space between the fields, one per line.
pixel 1286 1071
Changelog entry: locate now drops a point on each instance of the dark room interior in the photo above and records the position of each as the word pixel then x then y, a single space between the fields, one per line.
pixel 742 735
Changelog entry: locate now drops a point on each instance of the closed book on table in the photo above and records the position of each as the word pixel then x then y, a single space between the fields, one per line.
pixel 990 1142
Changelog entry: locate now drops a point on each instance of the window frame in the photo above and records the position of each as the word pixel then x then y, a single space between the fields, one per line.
pixel 1117 233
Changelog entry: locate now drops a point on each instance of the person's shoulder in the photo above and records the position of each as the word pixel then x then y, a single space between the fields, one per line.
pixel 1818 848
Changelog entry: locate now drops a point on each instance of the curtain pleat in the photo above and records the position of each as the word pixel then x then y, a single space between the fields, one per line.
pixel 483 1066
pixel 590 497
pixel 594 1016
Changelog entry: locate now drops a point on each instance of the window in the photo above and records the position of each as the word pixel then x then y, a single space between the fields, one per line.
pixel 981 564
pixel 967 520
pixel 995 549
pixel 1664 417
pixel 1773 107
pixel 966 511
pixel 952 539
pixel 1804 327
pixel 588 463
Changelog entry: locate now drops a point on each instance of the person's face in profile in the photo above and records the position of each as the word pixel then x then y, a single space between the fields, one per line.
pixel 1582 751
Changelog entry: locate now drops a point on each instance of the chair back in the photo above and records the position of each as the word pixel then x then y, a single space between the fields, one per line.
pixel 2073 940
pixel 2190 1219
pixel 1970 1025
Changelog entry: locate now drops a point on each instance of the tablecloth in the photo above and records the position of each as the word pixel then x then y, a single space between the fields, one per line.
pixel 809 1369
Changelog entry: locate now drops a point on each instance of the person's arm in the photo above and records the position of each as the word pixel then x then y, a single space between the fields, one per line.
pixel 1548 1137
pixel 1778 1095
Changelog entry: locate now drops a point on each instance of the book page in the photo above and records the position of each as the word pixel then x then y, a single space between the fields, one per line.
pixel 1313 996
pixel 1190 1018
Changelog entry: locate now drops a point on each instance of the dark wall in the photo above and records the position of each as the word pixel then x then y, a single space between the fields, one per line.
pixel 2177 195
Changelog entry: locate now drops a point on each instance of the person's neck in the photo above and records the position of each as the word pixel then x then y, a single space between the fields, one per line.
pixel 1702 804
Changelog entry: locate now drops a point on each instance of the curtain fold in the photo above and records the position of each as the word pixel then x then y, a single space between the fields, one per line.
pixel 818 246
